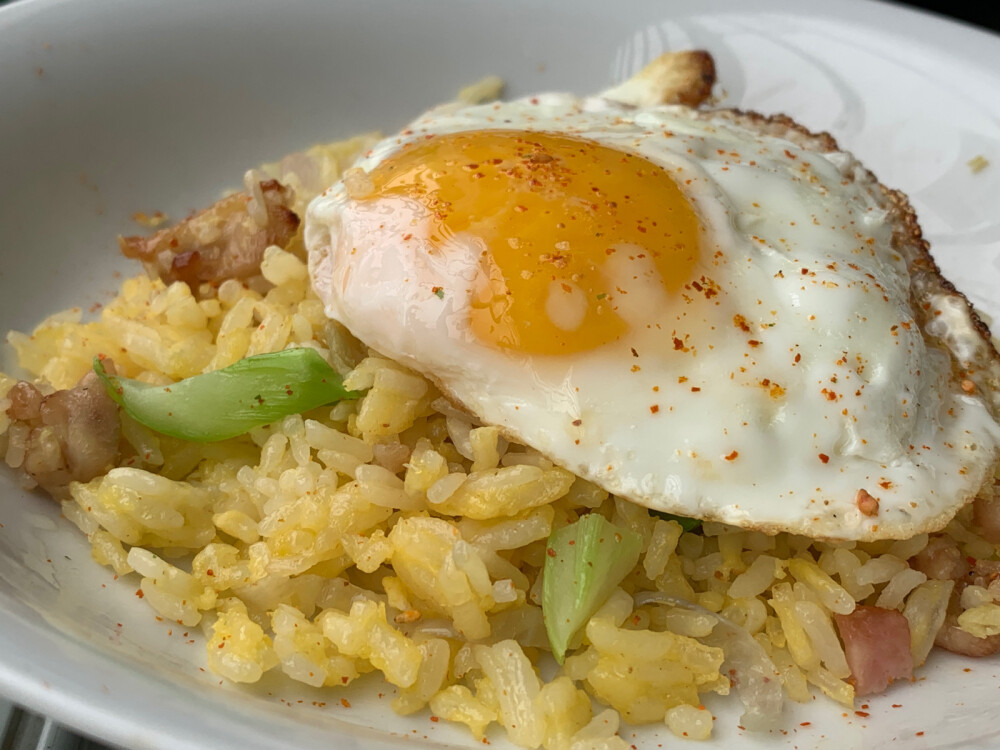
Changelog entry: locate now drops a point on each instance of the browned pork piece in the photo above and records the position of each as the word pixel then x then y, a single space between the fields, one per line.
pixel 943 560
pixel 74 433
pixel 952 638
pixel 986 516
pixel 225 241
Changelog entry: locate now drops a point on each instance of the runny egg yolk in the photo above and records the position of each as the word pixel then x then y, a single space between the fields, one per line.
pixel 565 229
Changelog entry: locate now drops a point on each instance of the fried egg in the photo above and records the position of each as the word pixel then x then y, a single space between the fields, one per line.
pixel 701 312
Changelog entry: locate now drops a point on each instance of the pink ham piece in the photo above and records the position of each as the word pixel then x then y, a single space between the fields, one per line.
pixel 877 645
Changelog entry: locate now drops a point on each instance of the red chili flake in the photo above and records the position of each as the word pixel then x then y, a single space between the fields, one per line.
pixel 897 705
pixel 139 593
pixel 678 344
pixel 824 458
pixel 550 552
pixel 654 408
pixel 740 322
pixel 805 724
pixel 345 703
pixel 920 734
pixel 695 389
pixel 634 352
pixel 435 719
pixel 345 680
pixel 754 343
pixel 732 456
pixel 577 422
pixel 862 714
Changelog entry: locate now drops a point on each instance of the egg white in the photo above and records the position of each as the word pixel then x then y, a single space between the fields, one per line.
pixel 802 378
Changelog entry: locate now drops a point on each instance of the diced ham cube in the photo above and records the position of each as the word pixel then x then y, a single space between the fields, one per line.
pixel 877 645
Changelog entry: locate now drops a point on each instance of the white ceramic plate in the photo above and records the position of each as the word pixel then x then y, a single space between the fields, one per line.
pixel 108 107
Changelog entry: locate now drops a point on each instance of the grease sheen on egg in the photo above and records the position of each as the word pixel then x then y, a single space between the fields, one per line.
pixel 700 318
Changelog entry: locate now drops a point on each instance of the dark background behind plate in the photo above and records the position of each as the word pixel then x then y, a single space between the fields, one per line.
pixel 983 14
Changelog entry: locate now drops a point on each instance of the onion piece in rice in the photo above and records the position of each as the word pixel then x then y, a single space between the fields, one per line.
pixel 756 678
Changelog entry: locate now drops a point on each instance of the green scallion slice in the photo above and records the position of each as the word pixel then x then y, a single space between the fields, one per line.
pixel 584 563
pixel 225 403
pixel 688 524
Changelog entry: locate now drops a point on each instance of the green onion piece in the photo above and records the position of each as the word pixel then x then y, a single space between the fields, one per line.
pixel 688 524
pixel 584 563
pixel 225 403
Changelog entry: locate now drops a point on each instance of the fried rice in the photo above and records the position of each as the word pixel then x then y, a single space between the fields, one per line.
pixel 393 533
